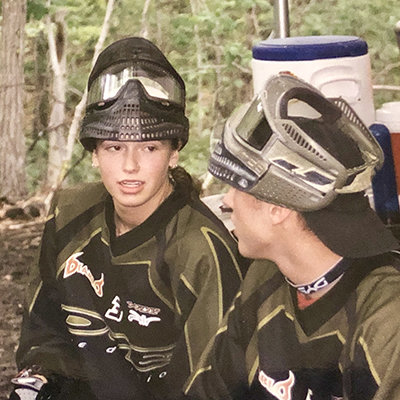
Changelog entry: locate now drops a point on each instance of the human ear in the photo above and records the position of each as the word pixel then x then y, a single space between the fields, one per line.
pixel 173 159
pixel 95 161
pixel 278 214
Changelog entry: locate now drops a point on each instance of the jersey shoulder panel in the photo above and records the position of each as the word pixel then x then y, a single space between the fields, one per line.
pixel 260 273
pixel 70 203
pixel 380 285
pixel 200 245
pixel 198 213
pixel 378 290
pixel 376 333
pixel 192 226
pixel 82 195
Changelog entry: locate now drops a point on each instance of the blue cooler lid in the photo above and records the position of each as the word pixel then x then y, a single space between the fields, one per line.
pixel 300 48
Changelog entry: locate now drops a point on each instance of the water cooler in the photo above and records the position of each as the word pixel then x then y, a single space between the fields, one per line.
pixel 339 66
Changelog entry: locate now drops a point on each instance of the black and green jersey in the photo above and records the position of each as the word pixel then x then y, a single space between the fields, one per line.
pixel 346 345
pixel 104 309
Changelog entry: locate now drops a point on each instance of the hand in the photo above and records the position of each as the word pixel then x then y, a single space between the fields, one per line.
pixel 27 385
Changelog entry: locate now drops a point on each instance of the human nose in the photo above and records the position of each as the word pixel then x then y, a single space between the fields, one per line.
pixel 130 161
pixel 228 199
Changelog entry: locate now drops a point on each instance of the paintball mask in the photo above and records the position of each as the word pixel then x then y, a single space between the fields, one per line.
pixel 291 146
pixel 134 94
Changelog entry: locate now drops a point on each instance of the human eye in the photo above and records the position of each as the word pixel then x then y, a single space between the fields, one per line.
pixel 151 147
pixel 109 145
pixel 113 147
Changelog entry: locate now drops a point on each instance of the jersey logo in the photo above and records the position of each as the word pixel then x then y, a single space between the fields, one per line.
pixel 74 266
pixel 115 313
pixel 282 390
pixel 141 319
pixel 143 309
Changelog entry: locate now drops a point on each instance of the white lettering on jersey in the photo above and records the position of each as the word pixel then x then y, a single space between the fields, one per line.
pixel 111 350
pixel 74 266
pixel 282 390
pixel 143 309
pixel 115 313
pixel 141 319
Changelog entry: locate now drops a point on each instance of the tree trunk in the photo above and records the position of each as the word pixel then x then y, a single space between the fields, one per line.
pixel 12 139
pixel 57 138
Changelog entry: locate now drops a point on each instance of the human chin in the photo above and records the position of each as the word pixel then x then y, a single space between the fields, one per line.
pixel 129 200
pixel 244 249
pixel 248 247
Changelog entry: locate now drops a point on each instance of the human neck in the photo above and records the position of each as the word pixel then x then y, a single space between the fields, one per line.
pixel 128 217
pixel 306 259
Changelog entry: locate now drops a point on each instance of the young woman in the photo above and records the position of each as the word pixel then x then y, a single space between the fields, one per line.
pixel 134 272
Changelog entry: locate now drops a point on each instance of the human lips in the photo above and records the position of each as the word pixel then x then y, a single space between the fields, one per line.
pixel 130 185
pixel 130 182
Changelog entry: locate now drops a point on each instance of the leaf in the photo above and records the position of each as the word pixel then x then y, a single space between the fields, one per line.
pixel 36 9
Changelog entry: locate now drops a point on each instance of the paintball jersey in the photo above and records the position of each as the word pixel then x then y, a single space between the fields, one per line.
pixel 113 311
pixel 345 345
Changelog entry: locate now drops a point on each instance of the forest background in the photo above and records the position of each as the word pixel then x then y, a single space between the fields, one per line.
pixel 209 43
pixel 47 49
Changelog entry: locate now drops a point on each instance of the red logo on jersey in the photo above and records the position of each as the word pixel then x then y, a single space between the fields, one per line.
pixel 282 390
pixel 74 266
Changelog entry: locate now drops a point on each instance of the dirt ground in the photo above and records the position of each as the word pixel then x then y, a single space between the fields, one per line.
pixel 19 240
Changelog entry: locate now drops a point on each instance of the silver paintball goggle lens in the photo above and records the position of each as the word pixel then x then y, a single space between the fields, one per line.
pixel 157 83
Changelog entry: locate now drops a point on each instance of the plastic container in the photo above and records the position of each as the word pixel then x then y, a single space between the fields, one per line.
pixel 339 66
pixel 384 187
pixel 389 115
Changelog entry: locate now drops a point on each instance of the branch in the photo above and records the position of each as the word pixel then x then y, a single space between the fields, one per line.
pixel 144 30
pixel 386 87
pixel 387 69
pixel 241 68
pixel 79 109
pixel 76 163
pixel 55 65
pixel 253 17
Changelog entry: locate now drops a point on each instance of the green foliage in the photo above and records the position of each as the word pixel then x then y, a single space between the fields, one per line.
pixel 35 167
pixel 36 9
pixel 81 167
pixel 210 46
pixel 372 20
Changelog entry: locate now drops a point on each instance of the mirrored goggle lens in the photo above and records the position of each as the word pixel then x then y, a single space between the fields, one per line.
pixel 157 82
pixel 253 127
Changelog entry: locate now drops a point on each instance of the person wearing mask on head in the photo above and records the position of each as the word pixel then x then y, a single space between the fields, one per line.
pixel 134 272
pixel 317 314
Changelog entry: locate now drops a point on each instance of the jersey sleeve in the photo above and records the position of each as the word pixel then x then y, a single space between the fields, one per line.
pixel 203 293
pixel 372 370
pixel 44 339
pixel 229 364
pixel 221 372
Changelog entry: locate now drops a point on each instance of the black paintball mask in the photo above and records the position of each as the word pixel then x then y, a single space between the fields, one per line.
pixel 134 94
